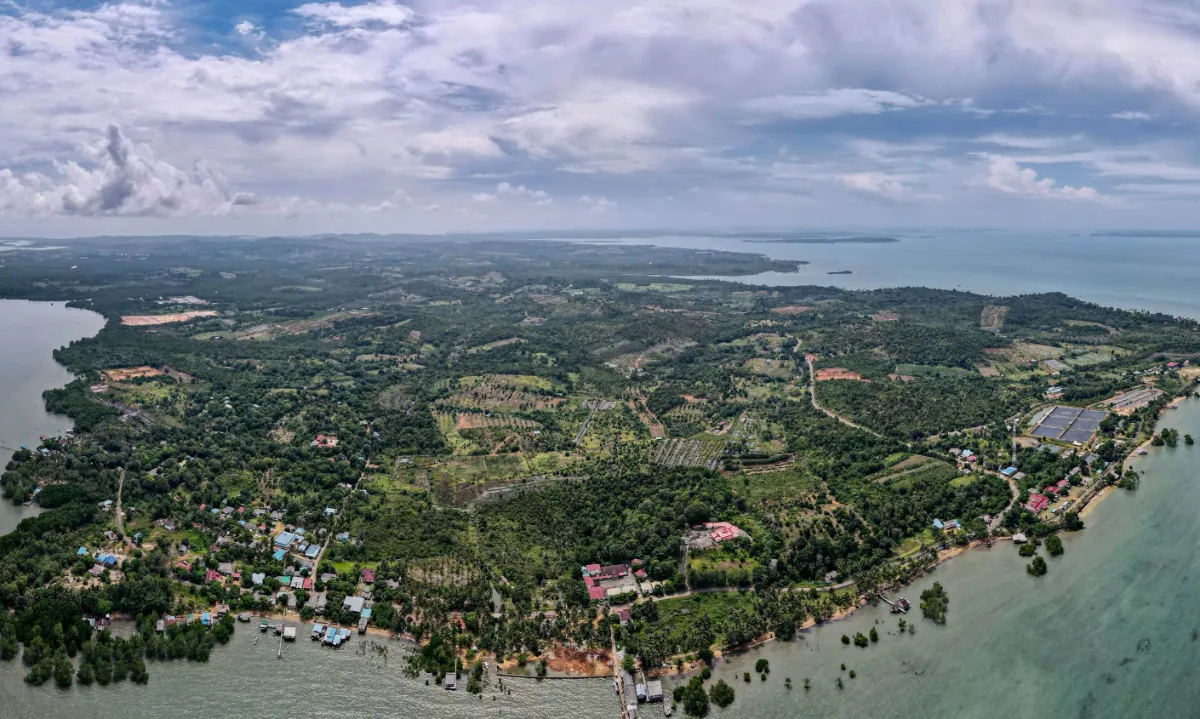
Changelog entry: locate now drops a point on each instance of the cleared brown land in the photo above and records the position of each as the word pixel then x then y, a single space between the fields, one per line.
pixel 466 420
pixel 833 373
pixel 885 316
pixel 992 317
pixel 120 375
pixel 989 371
pixel 901 377
pixel 147 320
pixel 494 345
pixel 792 309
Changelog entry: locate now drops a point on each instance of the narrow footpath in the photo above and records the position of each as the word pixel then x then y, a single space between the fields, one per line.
pixel 120 513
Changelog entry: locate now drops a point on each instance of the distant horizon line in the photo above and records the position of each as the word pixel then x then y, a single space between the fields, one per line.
pixel 630 232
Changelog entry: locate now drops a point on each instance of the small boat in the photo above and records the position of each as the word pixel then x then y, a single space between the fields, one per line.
pixel 900 606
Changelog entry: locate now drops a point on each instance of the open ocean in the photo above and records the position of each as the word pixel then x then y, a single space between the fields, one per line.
pixel 1157 274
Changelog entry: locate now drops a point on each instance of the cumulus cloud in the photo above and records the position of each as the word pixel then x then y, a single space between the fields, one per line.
pixel 539 197
pixel 1005 175
pixel 597 204
pixel 876 183
pixel 126 179
pixel 375 13
pixel 1131 115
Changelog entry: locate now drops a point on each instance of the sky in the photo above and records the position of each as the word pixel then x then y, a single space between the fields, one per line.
pixel 276 117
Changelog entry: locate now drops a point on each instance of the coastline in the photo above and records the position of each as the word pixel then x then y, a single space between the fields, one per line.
pixel 569 667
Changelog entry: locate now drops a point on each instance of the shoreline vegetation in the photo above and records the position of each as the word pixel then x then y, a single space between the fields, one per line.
pixel 499 449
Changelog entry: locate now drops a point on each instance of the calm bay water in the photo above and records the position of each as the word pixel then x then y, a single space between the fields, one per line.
pixel 1145 273
pixel 29 334
pixel 244 680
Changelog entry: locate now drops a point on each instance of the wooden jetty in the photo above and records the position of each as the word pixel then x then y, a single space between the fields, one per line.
pixel 900 606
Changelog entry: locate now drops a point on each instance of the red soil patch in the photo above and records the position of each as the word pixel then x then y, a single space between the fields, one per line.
pixel 832 373
pixel 119 375
pixel 568 660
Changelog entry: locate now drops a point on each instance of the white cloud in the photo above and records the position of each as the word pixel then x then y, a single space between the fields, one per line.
pixel 832 103
pixel 876 183
pixel 382 13
pixel 126 179
pixel 597 204
pixel 1005 175
pixel 245 27
pixel 1131 115
pixel 539 197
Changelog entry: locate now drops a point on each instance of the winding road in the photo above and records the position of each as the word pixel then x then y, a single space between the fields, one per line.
pixel 812 393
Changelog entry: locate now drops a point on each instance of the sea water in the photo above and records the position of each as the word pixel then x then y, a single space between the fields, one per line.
pixel 1156 274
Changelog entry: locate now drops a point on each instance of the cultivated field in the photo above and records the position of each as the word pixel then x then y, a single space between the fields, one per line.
pixel 688 453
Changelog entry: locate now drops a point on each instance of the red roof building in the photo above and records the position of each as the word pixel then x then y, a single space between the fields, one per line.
pixel 722 531
pixel 640 574
pixel 368 576
pixel 593 568
pixel 613 571
pixel 211 576
pixel 1037 502
pixel 596 593
pixel 589 582
pixel 308 583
